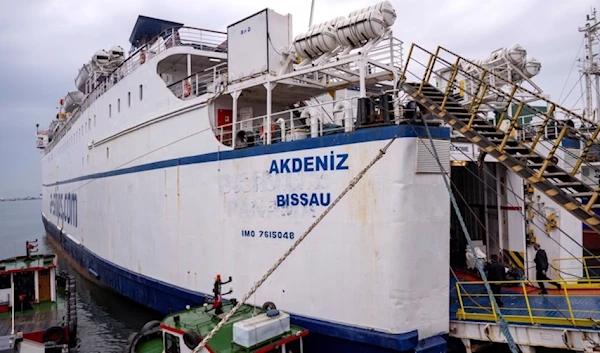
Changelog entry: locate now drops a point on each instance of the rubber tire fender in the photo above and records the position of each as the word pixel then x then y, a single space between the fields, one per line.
pixel 148 326
pixel 191 339
pixel 54 330
pixel 269 305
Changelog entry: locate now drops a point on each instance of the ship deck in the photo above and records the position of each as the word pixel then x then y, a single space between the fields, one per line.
pixel 34 262
pixel 524 304
pixel 40 318
pixel 203 323
pixel 563 318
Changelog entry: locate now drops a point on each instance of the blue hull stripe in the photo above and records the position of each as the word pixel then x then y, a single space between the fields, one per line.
pixel 163 297
pixel 358 136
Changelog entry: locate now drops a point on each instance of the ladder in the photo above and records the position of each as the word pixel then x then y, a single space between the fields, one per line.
pixel 539 168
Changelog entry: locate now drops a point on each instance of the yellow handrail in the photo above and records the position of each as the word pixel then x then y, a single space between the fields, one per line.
pixel 573 272
pixel 524 304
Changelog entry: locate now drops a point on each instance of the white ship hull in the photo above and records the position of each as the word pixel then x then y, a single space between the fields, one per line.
pixel 158 230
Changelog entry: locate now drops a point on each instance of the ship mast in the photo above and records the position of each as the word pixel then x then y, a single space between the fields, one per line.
pixel 590 66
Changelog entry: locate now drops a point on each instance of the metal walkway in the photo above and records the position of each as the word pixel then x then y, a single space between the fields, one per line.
pixel 533 158
pixel 568 319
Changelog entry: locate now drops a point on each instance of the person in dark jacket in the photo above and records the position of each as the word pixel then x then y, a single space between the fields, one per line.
pixel 496 272
pixel 541 267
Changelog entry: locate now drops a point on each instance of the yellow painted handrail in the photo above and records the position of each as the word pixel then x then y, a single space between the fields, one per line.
pixel 591 274
pixel 522 304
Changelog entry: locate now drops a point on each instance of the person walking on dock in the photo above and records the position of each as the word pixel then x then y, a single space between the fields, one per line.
pixel 496 273
pixel 541 267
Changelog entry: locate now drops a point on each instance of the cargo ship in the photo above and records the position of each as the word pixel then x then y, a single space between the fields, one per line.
pixel 201 152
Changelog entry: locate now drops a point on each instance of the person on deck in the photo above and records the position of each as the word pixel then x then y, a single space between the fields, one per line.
pixel 496 272
pixel 541 267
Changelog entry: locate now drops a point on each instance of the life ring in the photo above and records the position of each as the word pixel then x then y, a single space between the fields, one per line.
pixel 262 129
pixel 54 334
pixel 187 88
pixel 142 57
pixel 191 339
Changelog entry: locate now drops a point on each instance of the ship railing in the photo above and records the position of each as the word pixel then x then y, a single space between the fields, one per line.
pixel 201 39
pixel 315 120
pixel 319 119
pixel 388 52
pixel 578 272
pixel 523 303
pixel 209 80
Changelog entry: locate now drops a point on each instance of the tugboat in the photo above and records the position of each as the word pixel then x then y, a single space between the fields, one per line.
pixel 251 329
pixel 35 315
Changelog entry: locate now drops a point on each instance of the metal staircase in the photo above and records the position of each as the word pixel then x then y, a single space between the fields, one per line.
pixel 524 157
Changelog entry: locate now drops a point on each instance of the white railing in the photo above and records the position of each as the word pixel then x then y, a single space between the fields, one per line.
pixel 210 80
pixel 294 124
pixel 197 38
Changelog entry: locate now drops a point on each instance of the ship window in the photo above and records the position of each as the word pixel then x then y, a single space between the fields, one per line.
pixel 86 128
pixel 90 122
pixel 141 92
pixel 119 105
pixel 107 152
pixel 109 110
pixel 4 281
pixel 94 120
pixel 129 99
pixel 171 343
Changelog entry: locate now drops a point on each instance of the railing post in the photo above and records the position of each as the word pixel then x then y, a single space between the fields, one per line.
pixel 564 285
pixel 511 128
pixel 450 83
pixel 527 302
pixel 542 129
pixel 292 130
pixel 592 201
pixel 403 77
pixel 425 75
pixel 585 151
pixel 562 134
pixel 437 51
pixel 587 273
pixel 462 307
pixel 474 106
pixel 267 131
pixel 508 103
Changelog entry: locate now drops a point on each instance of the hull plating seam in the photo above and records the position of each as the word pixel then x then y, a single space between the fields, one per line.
pixel 163 297
pixel 359 136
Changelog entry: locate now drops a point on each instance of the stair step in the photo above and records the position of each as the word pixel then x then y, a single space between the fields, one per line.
pixel 582 194
pixel 509 143
pixel 531 156
pixel 483 127
pixel 492 133
pixel 568 184
pixel 512 149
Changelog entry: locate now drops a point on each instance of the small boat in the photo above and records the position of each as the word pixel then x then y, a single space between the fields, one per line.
pixel 251 329
pixel 37 304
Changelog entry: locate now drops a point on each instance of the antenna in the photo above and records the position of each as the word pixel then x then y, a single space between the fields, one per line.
pixel 12 297
pixel 312 10
pixel 589 67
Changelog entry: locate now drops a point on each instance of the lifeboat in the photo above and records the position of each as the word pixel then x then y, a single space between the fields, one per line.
pixel 73 100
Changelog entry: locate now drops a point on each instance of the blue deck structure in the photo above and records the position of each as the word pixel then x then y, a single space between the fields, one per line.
pixel 523 304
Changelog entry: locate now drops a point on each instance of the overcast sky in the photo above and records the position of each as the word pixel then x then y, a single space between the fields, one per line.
pixel 45 42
